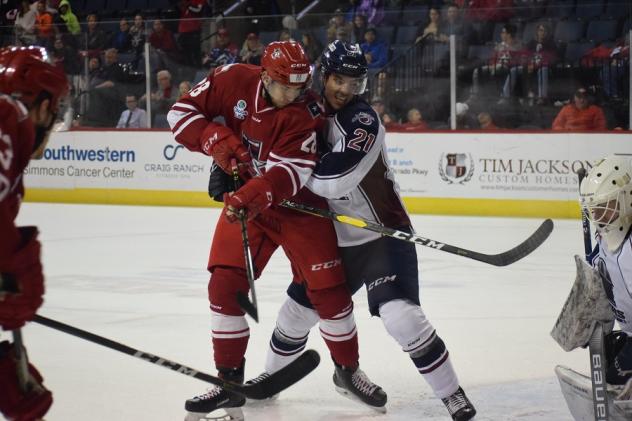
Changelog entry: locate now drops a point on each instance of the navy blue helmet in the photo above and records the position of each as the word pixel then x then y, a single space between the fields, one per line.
pixel 345 59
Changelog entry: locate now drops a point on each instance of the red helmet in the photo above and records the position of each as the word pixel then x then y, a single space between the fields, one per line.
pixel 25 73
pixel 286 62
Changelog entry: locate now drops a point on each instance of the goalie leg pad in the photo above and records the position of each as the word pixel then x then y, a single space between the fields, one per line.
pixel 577 391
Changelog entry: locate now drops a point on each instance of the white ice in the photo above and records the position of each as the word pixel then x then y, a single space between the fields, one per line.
pixel 137 275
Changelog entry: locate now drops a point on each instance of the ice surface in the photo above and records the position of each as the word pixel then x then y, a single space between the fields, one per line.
pixel 137 275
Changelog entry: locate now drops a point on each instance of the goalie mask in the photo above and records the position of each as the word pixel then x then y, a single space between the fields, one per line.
pixel 606 193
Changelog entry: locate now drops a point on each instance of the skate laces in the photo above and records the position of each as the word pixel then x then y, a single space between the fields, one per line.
pixel 210 393
pixel 259 378
pixel 362 382
pixel 455 401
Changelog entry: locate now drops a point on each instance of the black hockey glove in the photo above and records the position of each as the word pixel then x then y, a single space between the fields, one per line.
pixel 219 183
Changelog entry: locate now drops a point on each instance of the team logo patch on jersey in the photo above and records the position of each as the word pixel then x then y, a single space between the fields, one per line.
pixel 364 118
pixel 276 53
pixel 456 168
pixel 240 109
pixel 314 109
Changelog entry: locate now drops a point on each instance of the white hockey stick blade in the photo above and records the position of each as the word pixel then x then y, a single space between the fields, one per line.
pixel 577 391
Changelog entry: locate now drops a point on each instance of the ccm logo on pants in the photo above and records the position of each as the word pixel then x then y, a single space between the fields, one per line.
pixel 326 265
pixel 380 281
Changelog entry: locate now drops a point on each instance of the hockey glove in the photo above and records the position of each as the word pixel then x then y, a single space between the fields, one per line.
pixel 15 403
pixel 222 144
pixel 219 183
pixel 23 283
pixel 253 198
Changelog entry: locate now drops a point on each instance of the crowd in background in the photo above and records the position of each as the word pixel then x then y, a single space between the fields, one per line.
pixel 529 64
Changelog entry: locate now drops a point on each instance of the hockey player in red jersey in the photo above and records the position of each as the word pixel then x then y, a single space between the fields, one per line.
pixel 270 122
pixel 30 92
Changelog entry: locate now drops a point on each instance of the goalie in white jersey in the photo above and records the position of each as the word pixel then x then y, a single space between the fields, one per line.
pixel 355 177
pixel 607 194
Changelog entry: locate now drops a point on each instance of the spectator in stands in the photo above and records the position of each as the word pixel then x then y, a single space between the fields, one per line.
pixel 372 9
pixel 580 114
pixel 486 13
pixel 97 40
pixel 359 28
pixel 25 24
pixel 65 57
pixel 541 54
pixel 312 47
pixel 122 40
pixel 252 50
pixel 338 20
pixel 432 31
pixel 95 73
pixel 69 18
pixel 414 121
pixel 105 99
pixel 375 51
pixel 164 97
pixel 224 52
pixel 133 117
pixel 285 35
pixel 380 109
pixel 164 54
pixel 486 122
pixel 138 35
pixel 189 30
pixel 453 24
pixel 184 87
pixel 505 62
pixel 44 29
pixel 465 119
pixel 614 68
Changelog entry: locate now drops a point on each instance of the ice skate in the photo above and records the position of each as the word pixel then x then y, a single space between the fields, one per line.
pixel 357 386
pixel 217 404
pixel 261 402
pixel 459 406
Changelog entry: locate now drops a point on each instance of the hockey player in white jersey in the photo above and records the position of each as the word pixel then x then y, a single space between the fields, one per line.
pixel 606 194
pixel 355 177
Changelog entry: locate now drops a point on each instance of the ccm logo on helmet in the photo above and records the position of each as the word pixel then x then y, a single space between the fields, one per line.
pixel 326 265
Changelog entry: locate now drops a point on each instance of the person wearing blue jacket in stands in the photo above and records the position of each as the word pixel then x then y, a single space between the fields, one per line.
pixel 375 51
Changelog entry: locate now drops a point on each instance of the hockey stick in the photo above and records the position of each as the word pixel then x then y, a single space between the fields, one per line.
pixel 595 344
pixel 22 366
pixel 503 259
pixel 264 389
pixel 249 306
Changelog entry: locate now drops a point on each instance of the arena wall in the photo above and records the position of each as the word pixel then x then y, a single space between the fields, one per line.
pixel 474 173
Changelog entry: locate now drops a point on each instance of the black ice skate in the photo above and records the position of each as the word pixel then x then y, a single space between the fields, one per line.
pixel 201 408
pixel 356 385
pixel 459 406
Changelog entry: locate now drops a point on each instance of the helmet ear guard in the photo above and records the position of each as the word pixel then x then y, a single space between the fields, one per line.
pixel 606 193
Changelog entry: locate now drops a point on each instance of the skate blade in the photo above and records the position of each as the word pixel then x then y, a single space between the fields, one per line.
pixel 256 403
pixel 225 414
pixel 344 392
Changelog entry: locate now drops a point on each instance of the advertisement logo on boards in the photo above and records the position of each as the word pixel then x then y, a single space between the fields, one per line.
pixel 456 168
pixel 170 151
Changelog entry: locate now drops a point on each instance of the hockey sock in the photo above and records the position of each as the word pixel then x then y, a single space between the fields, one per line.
pixel 290 335
pixel 408 325
pixel 230 339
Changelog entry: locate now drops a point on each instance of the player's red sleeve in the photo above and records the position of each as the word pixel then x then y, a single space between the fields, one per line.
pixel 16 146
pixel 190 118
pixel 293 157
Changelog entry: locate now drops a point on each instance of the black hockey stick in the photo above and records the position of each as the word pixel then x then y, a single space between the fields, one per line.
pixel 247 305
pixel 22 366
pixel 595 344
pixel 264 389
pixel 503 259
